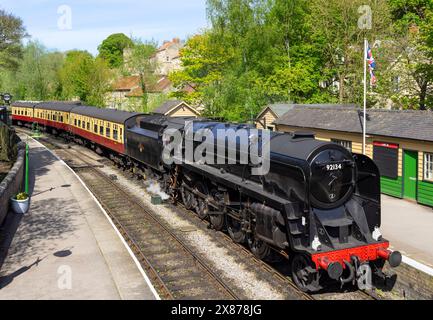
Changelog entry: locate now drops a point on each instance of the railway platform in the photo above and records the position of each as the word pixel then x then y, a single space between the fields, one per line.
pixel 65 248
pixel 408 226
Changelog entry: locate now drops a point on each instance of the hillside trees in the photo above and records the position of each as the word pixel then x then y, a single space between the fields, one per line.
pixel 85 78
pixel 37 75
pixel 112 49
pixel 141 62
pixel 413 71
pixel 12 32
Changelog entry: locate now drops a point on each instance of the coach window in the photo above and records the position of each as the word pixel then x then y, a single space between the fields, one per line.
pixel 107 130
pixel 95 128
pixel 115 132
pixel 428 167
pixel 121 133
pixel 101 130
pixel 83 125
pixel 75 122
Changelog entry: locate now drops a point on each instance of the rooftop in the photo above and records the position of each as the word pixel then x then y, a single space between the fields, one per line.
pixel 408 124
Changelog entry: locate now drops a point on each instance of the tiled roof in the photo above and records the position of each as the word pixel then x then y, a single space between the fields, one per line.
pixel 168 44
pixel 170 105
pixel 163 84
pixel 126 83
pixel 281 108
pixel 408 124
pixel 167 106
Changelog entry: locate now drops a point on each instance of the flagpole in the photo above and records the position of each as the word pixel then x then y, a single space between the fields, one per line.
pixel 364 128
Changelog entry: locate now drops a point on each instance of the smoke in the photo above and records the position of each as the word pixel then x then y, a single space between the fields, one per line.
pixel 155 188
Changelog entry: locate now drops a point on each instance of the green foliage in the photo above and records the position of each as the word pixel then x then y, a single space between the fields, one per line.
pixel 257 52
pixel 22 196
pixel 85 78
pixel 412 52
pixel 141 62
pixel 12 32
pixel 112 49
pixel 37 74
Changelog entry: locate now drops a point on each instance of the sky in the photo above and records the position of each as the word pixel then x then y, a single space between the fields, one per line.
pixel 84 24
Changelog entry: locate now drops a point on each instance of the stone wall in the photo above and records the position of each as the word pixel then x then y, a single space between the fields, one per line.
pixel 12 184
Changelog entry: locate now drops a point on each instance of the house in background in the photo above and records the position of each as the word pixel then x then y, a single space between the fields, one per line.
pixel 176 108
pixel 167 56
pixel 399 141
pixel 126 93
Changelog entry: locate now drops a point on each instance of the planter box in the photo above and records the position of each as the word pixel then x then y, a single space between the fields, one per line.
pixel 20 206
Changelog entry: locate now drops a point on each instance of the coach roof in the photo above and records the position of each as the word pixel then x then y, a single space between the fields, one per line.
pixel 63 106
pixel 24 104
pixel 111 115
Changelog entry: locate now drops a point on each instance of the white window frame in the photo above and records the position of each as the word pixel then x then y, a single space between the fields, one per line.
pixel 344 143
pixel 428 166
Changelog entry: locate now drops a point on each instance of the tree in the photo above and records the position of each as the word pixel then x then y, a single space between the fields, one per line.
pixel 335 27
pixel 37 75
pixel 142 63
pixel 112 49
pixel 85 77
pixel 203 64
pixel 413 28
pixel 257 52
pixel 12 32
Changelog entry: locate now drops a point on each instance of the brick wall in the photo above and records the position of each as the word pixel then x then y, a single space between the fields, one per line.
pixel 13 182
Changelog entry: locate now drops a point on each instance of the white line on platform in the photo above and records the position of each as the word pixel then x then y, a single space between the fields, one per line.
pixel 418 265
pixel 137 263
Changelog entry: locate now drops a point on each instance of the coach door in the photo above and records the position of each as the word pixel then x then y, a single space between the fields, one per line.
pixel 410 173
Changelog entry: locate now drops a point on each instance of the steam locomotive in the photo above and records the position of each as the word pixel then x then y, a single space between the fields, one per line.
pixel 319 204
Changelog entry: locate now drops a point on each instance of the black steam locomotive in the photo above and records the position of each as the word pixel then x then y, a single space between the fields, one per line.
pixel 319 204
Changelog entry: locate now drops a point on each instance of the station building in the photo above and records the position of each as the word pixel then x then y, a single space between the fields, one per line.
pixel 176 108
pixel 400 141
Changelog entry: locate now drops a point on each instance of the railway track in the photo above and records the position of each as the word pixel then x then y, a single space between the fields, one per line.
pixel 178 272
pixel 175 270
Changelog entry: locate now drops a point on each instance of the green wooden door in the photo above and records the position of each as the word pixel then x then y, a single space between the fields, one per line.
pixel 410 162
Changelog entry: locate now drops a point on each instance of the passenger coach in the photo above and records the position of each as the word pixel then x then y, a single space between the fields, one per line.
pixel 105 127
pixel 22 112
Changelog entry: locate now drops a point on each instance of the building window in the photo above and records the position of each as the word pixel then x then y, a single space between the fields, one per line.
pixel 428 166
pixel 345 143
pixel 271 128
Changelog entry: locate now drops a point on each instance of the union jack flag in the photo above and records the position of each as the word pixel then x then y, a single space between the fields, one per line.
pixel 371 66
